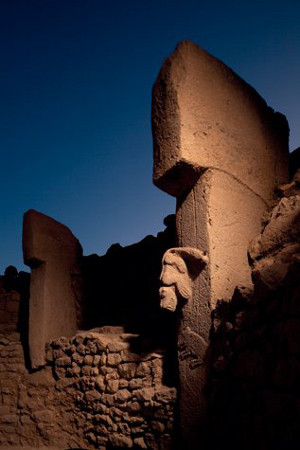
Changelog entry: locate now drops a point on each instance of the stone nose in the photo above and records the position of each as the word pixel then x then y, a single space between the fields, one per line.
pixel 168 275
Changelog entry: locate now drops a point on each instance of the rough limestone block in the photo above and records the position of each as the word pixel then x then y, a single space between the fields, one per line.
pixel 220 216
pixel 52 252
pixel 221 151
pixel 204 115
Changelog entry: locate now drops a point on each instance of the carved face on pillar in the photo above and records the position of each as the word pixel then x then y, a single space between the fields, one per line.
pixel 168 298
pixel 180 267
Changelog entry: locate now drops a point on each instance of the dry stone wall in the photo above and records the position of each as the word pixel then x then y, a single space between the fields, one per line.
pixel 119 396
pixel 94 392
pixel 12 370
pixel 33 412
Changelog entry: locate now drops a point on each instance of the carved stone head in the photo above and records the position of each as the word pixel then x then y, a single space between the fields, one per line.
pixel 180 267
pixel 168 298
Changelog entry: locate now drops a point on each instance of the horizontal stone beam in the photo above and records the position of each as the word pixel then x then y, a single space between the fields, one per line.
pixel 206 116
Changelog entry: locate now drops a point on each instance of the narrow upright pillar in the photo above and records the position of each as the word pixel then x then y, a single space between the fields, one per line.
pixel 53 253
pixel 221 151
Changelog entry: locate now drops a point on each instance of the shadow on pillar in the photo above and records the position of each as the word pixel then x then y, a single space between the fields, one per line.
pixel 20 282
pixel 23 320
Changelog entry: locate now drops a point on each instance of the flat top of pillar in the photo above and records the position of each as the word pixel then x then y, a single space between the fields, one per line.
pixel 206 116
pixel 43 235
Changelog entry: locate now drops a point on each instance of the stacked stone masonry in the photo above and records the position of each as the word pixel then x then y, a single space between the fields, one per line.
pixel 119 395
pixel 94 392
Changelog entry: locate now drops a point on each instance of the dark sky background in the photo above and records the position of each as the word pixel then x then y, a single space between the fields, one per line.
pixel 75 83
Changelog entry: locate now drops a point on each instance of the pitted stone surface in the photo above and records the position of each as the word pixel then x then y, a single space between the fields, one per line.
pixel 80 400
pixel 121 401
pixel 206 116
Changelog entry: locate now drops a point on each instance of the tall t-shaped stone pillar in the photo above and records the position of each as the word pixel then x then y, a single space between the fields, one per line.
pixel 53 254
pixel 221 151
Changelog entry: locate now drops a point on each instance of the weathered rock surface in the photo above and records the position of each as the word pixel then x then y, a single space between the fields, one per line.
pixel 221 151
pixel 206 116
pixel 207 119
pixel 254 401
pixel 94 392
pixel 53 254
pixel 118 395
pixel 278 246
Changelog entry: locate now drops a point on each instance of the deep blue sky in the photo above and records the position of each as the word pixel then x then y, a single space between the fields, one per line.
pixel 75 83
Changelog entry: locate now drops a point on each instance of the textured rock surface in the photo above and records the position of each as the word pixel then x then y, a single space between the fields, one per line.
pixel 94 392
pixel 221 151
pixel 119 395
pixel 53 254
pixel 256 364
pixel 206 116
pixel 27 408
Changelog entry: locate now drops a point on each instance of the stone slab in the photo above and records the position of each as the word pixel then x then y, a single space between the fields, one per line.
pixel 206 116
pixel 53 253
